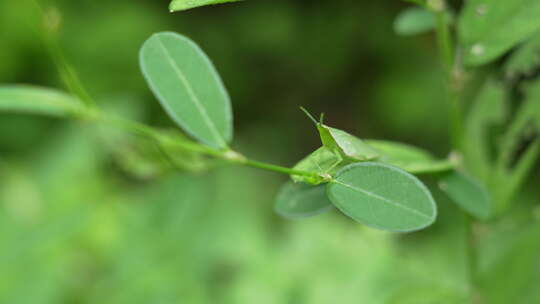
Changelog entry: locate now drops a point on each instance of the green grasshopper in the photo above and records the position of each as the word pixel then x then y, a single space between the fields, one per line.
pixel 339 148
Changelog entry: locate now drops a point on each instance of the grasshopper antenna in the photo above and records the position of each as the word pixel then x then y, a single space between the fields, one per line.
pixel 321 118
pixel 309 115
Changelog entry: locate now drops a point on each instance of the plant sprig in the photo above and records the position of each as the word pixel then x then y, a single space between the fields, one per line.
pixel 190 90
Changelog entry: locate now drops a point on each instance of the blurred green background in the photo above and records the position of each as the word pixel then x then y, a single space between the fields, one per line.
pixel 85 219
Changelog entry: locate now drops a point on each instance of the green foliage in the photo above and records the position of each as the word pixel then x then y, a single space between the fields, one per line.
pixel 38 100
pixel 467 192
pixel 413 21
pixel 299 200
pixel 487 113
pixel 498 163
pixel 409 158
pixel 488 29
pixel 383 197
pixel 525 59
pixel 163 63
pixel 107 208
pixel 188 87
pixel 180 5
pixel 519 149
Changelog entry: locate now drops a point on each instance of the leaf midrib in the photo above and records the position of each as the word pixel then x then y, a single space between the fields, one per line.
pixel 371 194
pixel 192 94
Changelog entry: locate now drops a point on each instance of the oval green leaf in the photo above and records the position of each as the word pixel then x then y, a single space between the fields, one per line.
pixel 489 28
pixel 382 196
pixel 468 193
pixel 188 87
pixel 409 158
pixel 29 99
pixel 181 5
pixel 413 21
pixel 299 200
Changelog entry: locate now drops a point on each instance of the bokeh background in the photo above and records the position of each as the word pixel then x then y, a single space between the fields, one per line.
pixel 85 219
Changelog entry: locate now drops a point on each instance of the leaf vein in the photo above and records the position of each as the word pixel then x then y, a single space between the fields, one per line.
pixel 371 194
pixel 192 94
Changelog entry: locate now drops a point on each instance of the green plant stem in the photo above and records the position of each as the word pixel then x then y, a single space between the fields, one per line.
pixel 48 33
pixel 68 75
pixel 444 38
pixel 275 168
pixel 454 76
pixel 167 143
pixel 456 117
pixel 452 70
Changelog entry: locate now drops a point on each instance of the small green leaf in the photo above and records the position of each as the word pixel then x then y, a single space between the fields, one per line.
pixel 489 28
pixel 188 87
pixel 38 100
pixel 518 150
pixel 382 196
pixel 409 158
pixel 525 59
pixel 413 21
pixel 467 192
pixel 298 200
pixel 181 5
pixel 321 161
